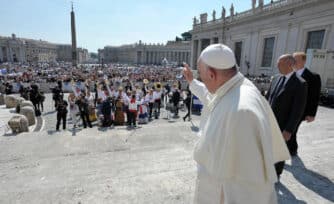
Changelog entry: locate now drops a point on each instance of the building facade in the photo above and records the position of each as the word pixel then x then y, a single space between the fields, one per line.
pixel 140 53
pixel 40 51
pixel 64 54
pixel 260 35
pixel 13 49
pixel 83 55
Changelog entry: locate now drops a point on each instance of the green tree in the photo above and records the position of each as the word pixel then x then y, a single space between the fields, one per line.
pixel 186 36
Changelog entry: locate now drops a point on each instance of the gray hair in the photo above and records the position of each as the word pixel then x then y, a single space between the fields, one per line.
pixel 289 59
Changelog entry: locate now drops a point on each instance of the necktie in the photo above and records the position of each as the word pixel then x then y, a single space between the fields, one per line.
pixel 277 89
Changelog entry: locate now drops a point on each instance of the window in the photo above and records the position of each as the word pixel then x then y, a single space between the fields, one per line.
pixel 268 51
pixel 238 51
pixel 315 39
pixel 205 43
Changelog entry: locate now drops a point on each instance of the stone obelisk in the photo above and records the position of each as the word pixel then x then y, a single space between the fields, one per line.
pixel 74 39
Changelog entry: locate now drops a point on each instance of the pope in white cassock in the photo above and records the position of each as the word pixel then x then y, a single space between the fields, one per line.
pixel 240 140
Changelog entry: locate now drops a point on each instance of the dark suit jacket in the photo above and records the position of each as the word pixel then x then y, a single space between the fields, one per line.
pixel 289 105
pixel 313 93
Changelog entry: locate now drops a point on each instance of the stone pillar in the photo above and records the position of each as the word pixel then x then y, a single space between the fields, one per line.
pixel 29 112
pixel 10 54
pixel 155 57
pixel 199 48
pixel 204 18
pixel 186 57
pixel 152 62
pixel 158 57
pixel 261 4
pixel 11 101
pixel 1 55
pixel 253 4
pixel 26 103
pixel 194 49
pixel 178 57
pixel 152 58
pixel 19 123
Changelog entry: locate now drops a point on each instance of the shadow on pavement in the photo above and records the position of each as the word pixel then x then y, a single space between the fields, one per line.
pixel 284 196
pixel 49 113
pixel 103 129
pixel 317 183
pixel 11 134
pixel 74 130
pixel 194 128
pixel 51 132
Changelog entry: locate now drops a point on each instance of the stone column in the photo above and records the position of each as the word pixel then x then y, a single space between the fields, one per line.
pixel 194 49
pixel 155 57
pixel 152 57
pixel 160 57
pixel 10 54
pixel 1 55
pixel 178 57
pixel 199 48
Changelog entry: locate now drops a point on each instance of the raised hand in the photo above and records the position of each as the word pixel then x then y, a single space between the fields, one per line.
pixel 187 73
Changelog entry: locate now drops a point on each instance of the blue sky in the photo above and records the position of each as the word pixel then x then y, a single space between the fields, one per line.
pixel 107 22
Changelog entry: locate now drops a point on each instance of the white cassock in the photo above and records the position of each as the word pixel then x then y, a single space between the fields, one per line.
pixel 239 143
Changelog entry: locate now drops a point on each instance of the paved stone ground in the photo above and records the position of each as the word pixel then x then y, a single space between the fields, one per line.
pixel 151 164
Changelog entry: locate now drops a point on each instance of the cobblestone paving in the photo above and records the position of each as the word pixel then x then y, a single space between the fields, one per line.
pixel 150 164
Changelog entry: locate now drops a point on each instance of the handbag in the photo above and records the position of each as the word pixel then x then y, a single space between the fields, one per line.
pixel 92 116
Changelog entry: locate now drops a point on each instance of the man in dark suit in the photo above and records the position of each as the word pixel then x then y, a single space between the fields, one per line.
pixel 287 97
pixel 313 94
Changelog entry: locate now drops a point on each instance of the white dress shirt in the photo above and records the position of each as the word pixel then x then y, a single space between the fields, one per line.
pixel 300 71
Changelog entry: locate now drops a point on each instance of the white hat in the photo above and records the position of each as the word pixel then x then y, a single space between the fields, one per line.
pixel 218 56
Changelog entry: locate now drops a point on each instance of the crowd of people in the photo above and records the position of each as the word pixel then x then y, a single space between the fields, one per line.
pixel 53 72
pixel 117 105
pixel 112 94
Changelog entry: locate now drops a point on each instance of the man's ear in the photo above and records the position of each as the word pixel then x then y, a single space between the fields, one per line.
pixel 212 73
